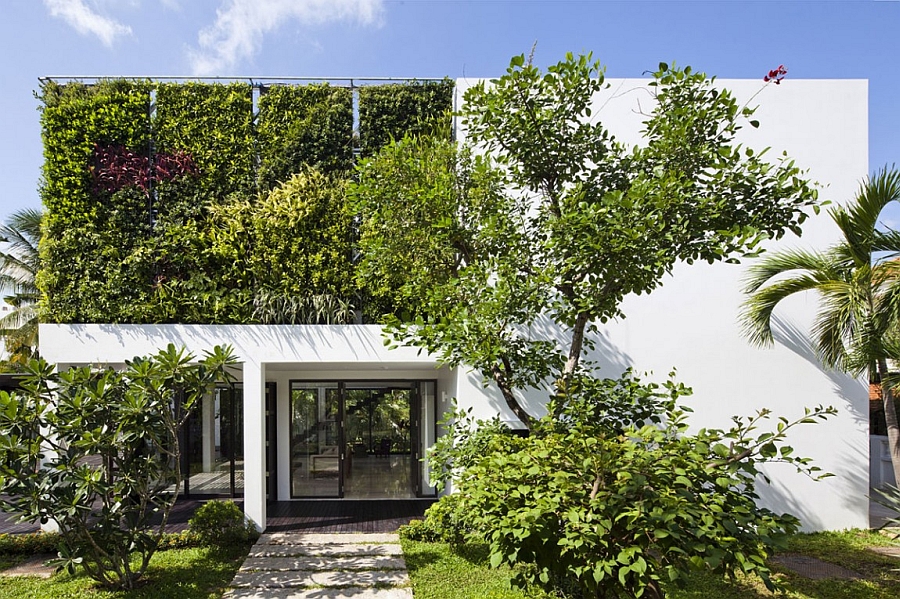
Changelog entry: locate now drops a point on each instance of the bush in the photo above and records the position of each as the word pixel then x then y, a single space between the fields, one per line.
pixel 417 530
pixel 594 507
pixel 29 544
pixel 221 523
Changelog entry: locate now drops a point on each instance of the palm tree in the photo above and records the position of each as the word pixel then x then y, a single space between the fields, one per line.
pixel 858 281
pixel 19 263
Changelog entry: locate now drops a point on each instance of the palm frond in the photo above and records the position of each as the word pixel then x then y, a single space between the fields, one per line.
pixel 786 262
pixel 756 321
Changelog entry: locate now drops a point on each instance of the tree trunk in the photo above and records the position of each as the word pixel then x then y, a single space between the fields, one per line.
pixel 502 381
pixel 577 344
pixel 890 417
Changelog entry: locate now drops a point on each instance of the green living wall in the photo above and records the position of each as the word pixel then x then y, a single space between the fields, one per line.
pixel 175 202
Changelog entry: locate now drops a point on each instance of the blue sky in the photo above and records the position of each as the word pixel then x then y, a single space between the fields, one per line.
pixel 436 38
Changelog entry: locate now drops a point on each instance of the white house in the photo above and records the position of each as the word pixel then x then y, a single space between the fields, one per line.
pixel 329 411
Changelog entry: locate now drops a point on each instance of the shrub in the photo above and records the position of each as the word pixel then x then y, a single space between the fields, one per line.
pixel 418 530
pixel 29 544
pixel 221 523
pixel 595 507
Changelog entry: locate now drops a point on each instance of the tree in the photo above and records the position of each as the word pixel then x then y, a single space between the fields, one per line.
pixel 561 221
pixel 97 452
pixel 19 264
pixel 858 282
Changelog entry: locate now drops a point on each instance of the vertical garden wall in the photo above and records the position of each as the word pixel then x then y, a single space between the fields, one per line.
pixel 191 202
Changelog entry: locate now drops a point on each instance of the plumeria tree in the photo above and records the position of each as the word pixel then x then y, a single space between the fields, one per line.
pixel 97 452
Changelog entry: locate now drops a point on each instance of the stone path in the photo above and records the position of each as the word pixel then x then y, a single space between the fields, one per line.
pixel 815 569
pixel 323 566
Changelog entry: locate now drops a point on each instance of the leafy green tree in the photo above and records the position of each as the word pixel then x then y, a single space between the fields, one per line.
pixel 586 219
pixel 97 452
pixel 858 282
pixel 19 263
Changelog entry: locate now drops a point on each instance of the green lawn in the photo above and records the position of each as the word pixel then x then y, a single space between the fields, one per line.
pixel 439 573
pixel 174 574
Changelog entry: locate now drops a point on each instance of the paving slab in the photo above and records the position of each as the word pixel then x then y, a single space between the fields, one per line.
pixel 365 578
pixel 344 593
pixel 323 566
pixel 326 550
pixel 34 566
pixel 299 538
pixel 888 551
pixel 312 562
pixel 812 568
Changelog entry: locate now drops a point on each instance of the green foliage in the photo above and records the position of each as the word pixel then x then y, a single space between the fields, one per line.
pixel 423 202
pixel 388 112
pixel 19 264
pixel 88 238
pixel 195 246
pixel 595 220
pixel 464 442
pixel 889 497
pixel 97 452
pixel 440 571
pixel 601 508
pixel 212 123
pixel 193 573
pixel 298 309
pixel 310 125
pixel 222 523
pixel 417 530
pixel 858 282
pixel 29 544
pixel 301 238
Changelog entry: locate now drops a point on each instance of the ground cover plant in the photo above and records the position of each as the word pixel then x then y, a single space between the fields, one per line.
pixel 98 452
pixel 438 571
pixel 189 573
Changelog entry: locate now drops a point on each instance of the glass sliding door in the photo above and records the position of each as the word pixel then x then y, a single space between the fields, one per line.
pixel 316 440
pixel 361 439
pixel 379 453
pixel 213 445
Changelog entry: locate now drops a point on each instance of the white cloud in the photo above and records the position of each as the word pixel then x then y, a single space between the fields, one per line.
pixel 241 25
pixel 86 20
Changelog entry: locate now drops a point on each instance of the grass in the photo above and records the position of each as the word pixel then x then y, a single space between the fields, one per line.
pixel 437 572
pixel 192 573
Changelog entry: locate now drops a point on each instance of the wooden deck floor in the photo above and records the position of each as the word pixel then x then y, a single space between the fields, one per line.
pixel 344 515
pixel 320 516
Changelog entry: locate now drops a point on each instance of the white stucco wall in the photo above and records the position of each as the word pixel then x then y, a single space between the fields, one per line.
pixel 691 323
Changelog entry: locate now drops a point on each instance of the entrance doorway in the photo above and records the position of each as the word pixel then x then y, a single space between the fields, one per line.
pixel 361 439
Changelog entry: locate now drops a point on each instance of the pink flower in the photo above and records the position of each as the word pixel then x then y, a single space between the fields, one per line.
pixel 776 75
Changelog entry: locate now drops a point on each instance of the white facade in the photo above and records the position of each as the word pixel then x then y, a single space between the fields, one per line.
pixel 690 324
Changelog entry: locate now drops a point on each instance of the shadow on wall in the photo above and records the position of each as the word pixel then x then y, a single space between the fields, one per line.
pixel 604 356
pixel 802 501
pixel 847 387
